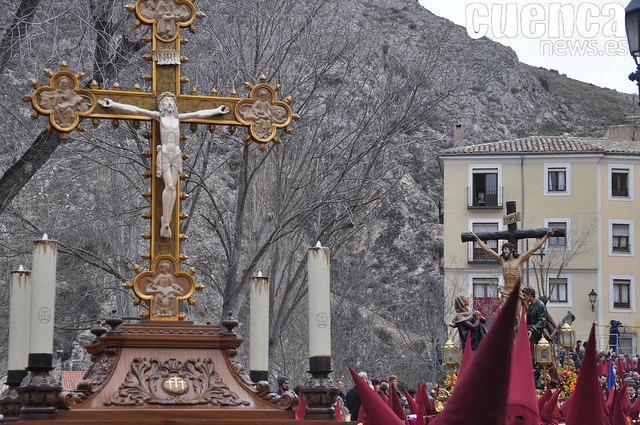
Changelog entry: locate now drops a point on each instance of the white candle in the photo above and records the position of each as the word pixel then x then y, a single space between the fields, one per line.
pixel 319 301
pixel 43 295
pixel 19 315
pixel 259 324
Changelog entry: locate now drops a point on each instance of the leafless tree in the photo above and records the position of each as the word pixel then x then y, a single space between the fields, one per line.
pixel 548 268
pixel 362 104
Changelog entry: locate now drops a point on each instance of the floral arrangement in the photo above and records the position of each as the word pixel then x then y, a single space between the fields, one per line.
pixel 568 381
pixel 451 380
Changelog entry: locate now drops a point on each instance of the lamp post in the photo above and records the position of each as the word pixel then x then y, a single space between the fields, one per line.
pixel 632 24
pixel 567 340
pixel 544 357
pixel 593 296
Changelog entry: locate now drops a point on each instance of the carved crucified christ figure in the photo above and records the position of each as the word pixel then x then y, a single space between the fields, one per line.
pixel 169 155
pixel 510 260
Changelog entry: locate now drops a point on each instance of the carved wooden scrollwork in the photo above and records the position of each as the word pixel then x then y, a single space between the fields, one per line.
pixel 236 367
pixel 172 382
pixel 93 380
pixel 284 401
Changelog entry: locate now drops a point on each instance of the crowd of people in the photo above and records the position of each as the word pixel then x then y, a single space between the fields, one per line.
pixel 348 404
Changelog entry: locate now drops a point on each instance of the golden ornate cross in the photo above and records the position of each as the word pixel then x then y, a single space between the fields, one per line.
pixel 166 108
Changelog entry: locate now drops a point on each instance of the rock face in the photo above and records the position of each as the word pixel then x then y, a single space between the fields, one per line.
pixel 387 281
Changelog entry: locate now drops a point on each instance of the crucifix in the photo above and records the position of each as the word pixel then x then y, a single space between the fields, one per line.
pixel 510 260
pixel 163 285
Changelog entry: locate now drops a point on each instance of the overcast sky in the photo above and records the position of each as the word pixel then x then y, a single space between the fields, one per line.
pixel 584 39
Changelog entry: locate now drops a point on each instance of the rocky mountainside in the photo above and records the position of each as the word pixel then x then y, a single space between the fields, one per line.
pixel 379 85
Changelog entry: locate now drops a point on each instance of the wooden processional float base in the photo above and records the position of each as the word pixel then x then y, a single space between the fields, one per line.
pixel 158 372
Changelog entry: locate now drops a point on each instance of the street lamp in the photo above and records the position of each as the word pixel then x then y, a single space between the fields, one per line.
pixel 592 295
pixel 632 24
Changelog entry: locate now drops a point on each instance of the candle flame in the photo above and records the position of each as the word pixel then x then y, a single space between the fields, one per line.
pixel 318 244
pixel 21 268
pixel 259 273
pixel 45 237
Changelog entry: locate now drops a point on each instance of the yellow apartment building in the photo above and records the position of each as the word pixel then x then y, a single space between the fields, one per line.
pixel 584 185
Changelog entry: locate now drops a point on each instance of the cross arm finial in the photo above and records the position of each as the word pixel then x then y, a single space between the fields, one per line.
pixel 127 108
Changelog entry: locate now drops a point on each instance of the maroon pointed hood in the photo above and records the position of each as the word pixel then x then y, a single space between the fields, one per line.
pixel 586 403
pixel 396 404
pixel 543 399
pixel 466 356
pixel 474 402
pixel 423 400
pixel 523 403
pixel 616 415
pixel 414 408
pixel 548 414
pixel 377 412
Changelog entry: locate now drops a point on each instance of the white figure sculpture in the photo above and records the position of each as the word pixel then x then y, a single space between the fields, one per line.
pixel 169 155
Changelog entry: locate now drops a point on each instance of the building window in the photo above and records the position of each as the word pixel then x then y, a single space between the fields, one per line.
pixel 620 237
pixel 559 290
pixel 485 295
pixel 621 293
pixel 557 180
pixel 558 241
pixel 620 182
pixel 484 190
pixel 485 287
pixel 627 343
pixel 478 254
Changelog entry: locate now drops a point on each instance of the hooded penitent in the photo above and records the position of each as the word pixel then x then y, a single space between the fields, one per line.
pixel 522 407
pixel 377 411
pixel 474 402
pixel 586 405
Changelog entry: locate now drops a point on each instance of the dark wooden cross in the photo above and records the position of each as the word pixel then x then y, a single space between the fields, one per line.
pixel 66 105
pixel 512 234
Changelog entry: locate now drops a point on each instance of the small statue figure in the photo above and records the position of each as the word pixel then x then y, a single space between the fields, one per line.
pixel 165 289
pixel 468 320
pixel 169 155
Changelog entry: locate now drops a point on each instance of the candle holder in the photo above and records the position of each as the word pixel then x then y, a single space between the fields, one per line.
pixel 319 392
pixel 39 390
pixel 259 375
pixel 10 403
pixel 544 357
pixel 567 340
pixel 451 357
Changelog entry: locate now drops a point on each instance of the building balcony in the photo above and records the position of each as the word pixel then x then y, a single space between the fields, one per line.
pixel 484 197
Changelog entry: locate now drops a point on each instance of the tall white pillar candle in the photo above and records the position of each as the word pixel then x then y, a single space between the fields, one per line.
pixel 318 259
pixel 19 315
pixel 259 324
pixel 43 295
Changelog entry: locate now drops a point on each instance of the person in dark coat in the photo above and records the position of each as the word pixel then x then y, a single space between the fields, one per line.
pixel 468 320
pixel 353 398
pixel 614 334
pixel 283 385
pixel 536 315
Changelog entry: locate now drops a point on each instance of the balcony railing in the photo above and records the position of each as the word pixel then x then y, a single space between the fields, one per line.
pixel 484 197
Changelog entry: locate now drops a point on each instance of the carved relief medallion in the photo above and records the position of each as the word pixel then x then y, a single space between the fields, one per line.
pixel 175 385
pixel 172 382
pixel 263 113
pixel 166 16
pixel 64 101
